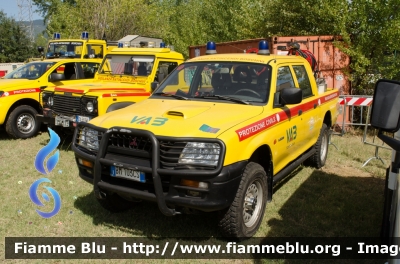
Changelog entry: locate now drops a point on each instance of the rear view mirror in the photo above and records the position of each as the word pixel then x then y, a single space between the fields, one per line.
pixel 56 77
pixel 153 86
pixel 385 111
pixel 290 96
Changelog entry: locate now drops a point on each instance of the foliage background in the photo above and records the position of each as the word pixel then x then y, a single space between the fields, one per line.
pixel 370 28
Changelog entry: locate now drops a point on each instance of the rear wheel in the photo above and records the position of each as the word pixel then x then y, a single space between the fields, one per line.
pixel 243 218
pixel 318 159
pixel 22 123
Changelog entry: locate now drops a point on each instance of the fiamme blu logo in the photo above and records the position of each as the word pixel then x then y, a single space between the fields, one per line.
pixel 45 168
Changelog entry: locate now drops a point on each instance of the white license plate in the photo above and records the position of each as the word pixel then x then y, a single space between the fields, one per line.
pixel 127 173
pixel 61 122
pixel 82 118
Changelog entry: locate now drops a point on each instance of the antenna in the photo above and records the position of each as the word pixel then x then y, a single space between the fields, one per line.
pixel 25 17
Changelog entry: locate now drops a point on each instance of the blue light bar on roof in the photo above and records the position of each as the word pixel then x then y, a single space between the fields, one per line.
pixel 162 45
pixel 85 35
pixel 263 48
pixel 211 48
pixel 56 36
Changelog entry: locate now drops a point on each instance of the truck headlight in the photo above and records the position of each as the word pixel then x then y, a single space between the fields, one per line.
pixel 199 153
pixel 89 107
pixel 89 138
pixel 50 101
pixel 47 99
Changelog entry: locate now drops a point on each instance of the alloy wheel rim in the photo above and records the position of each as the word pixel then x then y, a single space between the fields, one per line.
pixel 252 203
pixel 25 123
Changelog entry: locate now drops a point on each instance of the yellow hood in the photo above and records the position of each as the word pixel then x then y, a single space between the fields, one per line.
pixel 178 118
pixel 11 84
pixel 99 88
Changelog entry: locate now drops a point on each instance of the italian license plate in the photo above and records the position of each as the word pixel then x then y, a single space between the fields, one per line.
pixel 61 122
pixel 127 174
pixel 82 118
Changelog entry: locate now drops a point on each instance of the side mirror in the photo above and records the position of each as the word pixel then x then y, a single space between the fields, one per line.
pixel 290 96
pixel 40 49
pixel 57 77
pixel 153 86
pixel 385 111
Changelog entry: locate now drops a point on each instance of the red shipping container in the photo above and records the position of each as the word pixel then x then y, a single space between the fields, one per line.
pixel 332 63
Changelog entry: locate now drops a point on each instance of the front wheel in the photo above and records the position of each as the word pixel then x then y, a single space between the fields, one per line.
pixel 243 218
pixel 318 159
pixel 22 122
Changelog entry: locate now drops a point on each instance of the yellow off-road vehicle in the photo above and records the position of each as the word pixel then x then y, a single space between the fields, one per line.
pixel 216 135
pixel 125 77
pixel 20 89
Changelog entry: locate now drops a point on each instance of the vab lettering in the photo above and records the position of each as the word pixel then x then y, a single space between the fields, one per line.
pixel 291 134
pixel 144 120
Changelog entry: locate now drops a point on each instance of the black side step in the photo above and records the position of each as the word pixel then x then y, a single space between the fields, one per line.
pixel 288 169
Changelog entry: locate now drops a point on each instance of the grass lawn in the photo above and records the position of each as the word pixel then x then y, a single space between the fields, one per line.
pixel 340 200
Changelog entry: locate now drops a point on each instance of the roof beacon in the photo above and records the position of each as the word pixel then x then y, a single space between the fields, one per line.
pixel 120 45
pixel 56 36
pixel 263 48
pixel 211 48
pixel 85 35
pixel 162 45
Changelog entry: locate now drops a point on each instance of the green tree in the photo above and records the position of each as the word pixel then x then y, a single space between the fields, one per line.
pixel 113 18
pixel 193 22
pixel 370 30
pixel 15 46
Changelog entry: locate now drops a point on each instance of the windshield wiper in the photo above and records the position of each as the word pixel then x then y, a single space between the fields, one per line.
pixel 222 97
pixel 172 95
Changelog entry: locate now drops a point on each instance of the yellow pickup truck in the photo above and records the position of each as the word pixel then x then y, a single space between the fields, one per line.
pixel 20 89
pixel 125 77
pixel 216 135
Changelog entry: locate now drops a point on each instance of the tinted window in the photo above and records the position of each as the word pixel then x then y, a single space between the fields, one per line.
pixel 303 80
pixel 284 78
pixel 89 69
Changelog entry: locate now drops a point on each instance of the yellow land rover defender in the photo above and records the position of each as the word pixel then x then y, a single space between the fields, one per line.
pixel 216 135
pixel 125 77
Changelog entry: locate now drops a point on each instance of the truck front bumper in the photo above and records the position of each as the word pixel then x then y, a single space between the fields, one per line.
pixel 49 118
pixel 163 186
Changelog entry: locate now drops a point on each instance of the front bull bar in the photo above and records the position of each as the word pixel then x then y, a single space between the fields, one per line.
pixel 154 165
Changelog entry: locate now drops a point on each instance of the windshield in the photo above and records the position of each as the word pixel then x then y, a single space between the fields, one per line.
pixel 64 49
pixel 31 71
pixel 226 81
pixel 128 65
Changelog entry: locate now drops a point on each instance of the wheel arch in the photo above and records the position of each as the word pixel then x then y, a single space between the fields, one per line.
pixel 328 119
pixel 26 101
pixel 263 156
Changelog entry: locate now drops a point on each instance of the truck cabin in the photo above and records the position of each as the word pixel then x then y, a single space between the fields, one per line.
pixel 74 48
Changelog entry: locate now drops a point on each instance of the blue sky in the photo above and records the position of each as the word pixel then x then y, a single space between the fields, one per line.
pixel 11 9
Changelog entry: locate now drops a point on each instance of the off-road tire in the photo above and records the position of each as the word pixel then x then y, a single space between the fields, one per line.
pixel 22 123
pixel 318 159
pixel 115 203
pixel 235 221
